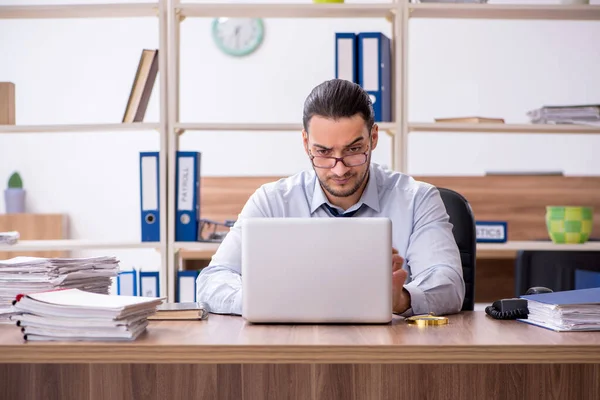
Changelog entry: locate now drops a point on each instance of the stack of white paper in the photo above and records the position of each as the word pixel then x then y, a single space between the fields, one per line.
pixel 23 275
pixel 577 114
pixel 11 237
pixel 570 310
pixel 77 315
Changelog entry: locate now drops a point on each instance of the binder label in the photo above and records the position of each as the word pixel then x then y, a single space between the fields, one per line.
pixel 150 184
pixel 346 59
pixel 186 184
pixel 370 64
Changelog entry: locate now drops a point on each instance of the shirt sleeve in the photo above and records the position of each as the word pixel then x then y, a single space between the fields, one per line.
pixel 436 280
pixel 219 285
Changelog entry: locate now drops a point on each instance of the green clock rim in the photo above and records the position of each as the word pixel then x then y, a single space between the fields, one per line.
pixel 230 52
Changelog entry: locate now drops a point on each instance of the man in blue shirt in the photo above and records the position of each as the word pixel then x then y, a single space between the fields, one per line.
pixel 339 137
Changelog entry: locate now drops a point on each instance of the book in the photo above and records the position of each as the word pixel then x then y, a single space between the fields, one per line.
pixel 77 315
pixel 570 310
pixel 141 89
pixel 7 103
pixel 470 120
pixel 180 311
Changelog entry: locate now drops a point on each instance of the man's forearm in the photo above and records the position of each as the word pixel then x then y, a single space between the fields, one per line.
pixel 439 291
pixel 221 290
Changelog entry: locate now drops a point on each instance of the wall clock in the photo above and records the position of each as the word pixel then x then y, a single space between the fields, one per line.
pixel 238 36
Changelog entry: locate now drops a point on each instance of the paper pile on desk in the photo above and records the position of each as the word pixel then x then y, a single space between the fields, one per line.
pixel 571 310
pixel 77 315
pixel 21 275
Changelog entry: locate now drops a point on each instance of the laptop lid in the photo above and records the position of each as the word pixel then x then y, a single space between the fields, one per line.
pixel 317 270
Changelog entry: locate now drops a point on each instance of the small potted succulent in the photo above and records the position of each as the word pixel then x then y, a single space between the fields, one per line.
pixel 14 195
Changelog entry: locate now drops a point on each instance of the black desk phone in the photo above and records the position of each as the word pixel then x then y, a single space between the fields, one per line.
pixel 513 308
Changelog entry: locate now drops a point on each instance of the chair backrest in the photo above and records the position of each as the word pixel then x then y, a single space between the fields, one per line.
pixel 463 220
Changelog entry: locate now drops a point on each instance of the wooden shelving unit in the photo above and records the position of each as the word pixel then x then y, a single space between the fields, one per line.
pixel 289 10
pixel 134 127
pixel 158 11
pixel 271 127
pixel 503 128
pixel 171 13
pixel 501 11
pixel 68 245
pixel 80 11
pixel 178 12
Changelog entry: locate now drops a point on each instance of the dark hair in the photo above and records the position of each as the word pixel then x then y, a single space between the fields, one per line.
pixel 338 98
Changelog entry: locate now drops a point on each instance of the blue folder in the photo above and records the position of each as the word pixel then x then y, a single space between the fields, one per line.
pixel 149 196
pixel 586 279
pixel 375 72
pixel 187 189
pixel 186 286
pixel 127 283
pixel 567 297
pixel 346 56
pixel 149 284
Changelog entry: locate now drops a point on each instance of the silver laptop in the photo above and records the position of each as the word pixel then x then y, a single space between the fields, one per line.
pixel 317 270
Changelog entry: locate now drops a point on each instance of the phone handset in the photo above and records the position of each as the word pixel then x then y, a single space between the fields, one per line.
pixel 513 308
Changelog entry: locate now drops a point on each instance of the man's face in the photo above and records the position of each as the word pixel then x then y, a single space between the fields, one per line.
pixel 339 138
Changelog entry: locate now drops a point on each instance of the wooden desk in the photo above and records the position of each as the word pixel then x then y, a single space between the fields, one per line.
pixel 474 357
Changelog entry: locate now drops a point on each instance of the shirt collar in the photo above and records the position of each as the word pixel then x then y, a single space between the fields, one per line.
pixel 370 195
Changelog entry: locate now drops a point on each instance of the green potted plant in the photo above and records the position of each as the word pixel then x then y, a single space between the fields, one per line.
pixel 14 195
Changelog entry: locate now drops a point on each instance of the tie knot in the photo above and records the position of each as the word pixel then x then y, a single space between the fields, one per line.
pixel 336 213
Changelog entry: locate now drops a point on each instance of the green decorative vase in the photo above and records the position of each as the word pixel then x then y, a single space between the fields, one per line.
pixel 569 224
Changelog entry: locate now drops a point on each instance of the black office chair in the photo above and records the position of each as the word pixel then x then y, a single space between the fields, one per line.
pixel 556 270
pixel 461 216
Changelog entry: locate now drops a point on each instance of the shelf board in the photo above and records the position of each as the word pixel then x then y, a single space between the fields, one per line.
pixel 79 11
pixel 288 10
pixel 502 128
pixel 66 245
pixel 537 245
pixel 197 247
pixel 199 250
pixel 505 11
pixel 137 126
pixel 256 127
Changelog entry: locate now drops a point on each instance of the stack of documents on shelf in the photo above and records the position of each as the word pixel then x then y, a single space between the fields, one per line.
pixel 9 237
pixel 77 315
pixel 23 275
pixel 572 310
pixel 578 114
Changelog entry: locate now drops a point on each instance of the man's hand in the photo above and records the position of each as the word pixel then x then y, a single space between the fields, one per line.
pixel 400 296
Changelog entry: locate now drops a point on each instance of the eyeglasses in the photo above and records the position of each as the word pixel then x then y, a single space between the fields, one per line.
pixel 352 160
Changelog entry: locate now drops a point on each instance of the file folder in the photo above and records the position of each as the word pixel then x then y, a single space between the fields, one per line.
pixel 587 279
pixel 149 196
pixel 187 187
pixel 149 284
pixel 375 72
pixel 186 286
pixel 346 56
pixel 127 283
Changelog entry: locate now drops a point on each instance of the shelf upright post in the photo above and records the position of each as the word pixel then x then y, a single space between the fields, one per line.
pixel 400 139
pixel 163 156
pixel 174 18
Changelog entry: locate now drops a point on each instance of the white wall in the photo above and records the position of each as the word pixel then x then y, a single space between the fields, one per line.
pixel 80 71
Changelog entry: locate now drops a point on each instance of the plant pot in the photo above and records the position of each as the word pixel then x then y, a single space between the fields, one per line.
pixel 14 199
